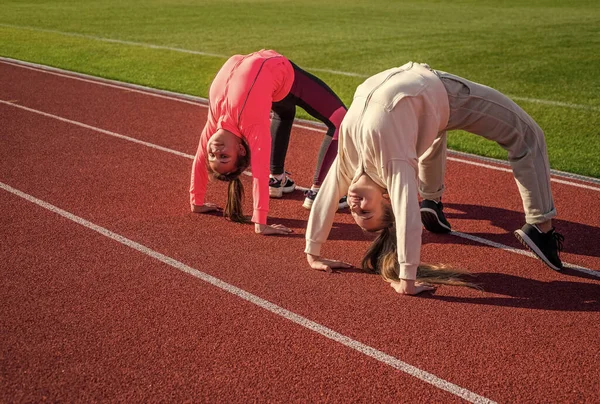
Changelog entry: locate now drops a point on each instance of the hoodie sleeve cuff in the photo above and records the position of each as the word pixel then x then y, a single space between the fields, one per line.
pixel 408 272
pixel 313 248
pixel 260 216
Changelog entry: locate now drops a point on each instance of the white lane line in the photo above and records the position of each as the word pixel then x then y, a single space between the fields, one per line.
pixel 191 157
pixel 106 132
pixel 107 83
pixel 508 170
pixel 304 124
pixel 265 304
pixel 222 56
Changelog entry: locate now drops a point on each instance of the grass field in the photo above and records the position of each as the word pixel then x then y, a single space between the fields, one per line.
pixel 544 54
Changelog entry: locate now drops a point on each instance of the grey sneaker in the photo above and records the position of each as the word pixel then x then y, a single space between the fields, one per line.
pixel 279 187
pixel 545 245
pixel 433 218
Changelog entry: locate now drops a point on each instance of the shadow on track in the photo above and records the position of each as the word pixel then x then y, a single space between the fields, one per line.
pixel 580 239
pixel 532 294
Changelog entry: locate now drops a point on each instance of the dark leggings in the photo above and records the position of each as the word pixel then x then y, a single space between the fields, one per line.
pixel 315 97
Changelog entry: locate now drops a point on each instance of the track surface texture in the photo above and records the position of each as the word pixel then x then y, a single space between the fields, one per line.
pixel 112 290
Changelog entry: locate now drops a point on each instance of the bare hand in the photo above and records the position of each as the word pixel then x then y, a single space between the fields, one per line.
pixel 207 207
pixel 267 230
pixel 324 264
pixel 407 287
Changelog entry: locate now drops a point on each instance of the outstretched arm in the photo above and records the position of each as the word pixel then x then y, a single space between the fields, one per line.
pixel 321 218
pixel 199 177
pixel 259 140
pixel 401 180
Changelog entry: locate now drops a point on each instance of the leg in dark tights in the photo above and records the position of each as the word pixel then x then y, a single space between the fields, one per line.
pixel 318 99
pixel 282 120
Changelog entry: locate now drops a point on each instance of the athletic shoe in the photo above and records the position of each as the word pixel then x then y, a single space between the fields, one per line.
pixel 310 195
pixel 545 245
pixel 433 218
pixel 279 187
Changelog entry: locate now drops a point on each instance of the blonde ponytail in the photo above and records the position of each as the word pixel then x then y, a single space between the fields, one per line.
pixel 382 258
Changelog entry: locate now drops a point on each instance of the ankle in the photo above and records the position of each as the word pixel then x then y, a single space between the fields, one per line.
pixel 544 227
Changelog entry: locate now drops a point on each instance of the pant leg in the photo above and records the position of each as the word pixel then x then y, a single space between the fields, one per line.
pixel 487 112
pixel 321 102
pixel 432 168
pixel 282 119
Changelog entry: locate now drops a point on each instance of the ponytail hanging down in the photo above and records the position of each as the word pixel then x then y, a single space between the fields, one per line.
pixel 235 197
pixel 382 258
pixel 235 190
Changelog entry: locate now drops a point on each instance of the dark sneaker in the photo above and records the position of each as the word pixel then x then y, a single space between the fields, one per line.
pixel 433 218
pixel 343 202
pixel 545 245
pixel 279 187
pixel 310 195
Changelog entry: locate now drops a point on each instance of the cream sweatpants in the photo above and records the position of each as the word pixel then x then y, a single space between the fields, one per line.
pixel 486 112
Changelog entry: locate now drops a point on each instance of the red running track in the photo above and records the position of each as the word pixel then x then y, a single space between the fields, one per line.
pixel 112 291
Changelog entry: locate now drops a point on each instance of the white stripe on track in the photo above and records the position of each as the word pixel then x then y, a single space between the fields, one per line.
pixel 304 124
pixel 106 132
pixel 108 83
pixel 191 157
pixel 222 56
pixel 508 170
pixel 265 304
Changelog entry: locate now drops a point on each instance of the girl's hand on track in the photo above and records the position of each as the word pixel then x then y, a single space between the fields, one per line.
pixel 207 207
pixel 267 230
pixel 407 287
pixel 324 264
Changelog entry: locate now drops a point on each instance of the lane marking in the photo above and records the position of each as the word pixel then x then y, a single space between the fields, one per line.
pixel 222 56
pixel 106 132
pixel 304 124
pixel 508 170
pixel 107 83
pixel 203 102
pixel 265 304
pixel 308 126
pixel 191 157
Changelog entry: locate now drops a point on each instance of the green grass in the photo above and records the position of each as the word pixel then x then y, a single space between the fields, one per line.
pixel 545 50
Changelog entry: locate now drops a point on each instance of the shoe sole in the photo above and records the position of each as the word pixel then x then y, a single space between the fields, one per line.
pixel 527 242
pixel 432 222
pixel 308 203
pixel 278 192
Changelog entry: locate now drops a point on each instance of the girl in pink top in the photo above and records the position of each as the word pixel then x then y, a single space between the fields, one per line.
pixel 239 133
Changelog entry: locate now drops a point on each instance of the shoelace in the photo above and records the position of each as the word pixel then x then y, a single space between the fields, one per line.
pixel 558 238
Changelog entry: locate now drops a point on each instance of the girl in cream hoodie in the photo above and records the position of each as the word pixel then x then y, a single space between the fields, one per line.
pixel 392 147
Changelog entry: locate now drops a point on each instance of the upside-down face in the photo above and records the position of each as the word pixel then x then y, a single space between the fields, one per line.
pixel 368 202
pixel 223 149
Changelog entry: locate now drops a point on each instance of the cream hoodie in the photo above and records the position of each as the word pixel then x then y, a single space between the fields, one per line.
pixel 394 118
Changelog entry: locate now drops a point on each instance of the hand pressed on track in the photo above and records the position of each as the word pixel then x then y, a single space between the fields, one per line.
pixel 268 230
pixel 323 264
pixel 409 287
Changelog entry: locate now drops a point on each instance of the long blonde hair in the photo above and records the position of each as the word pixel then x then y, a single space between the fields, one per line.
pixel 382 258
pixel 235 190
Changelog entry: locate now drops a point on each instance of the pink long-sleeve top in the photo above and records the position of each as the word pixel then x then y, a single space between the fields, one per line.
pixel 240 101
